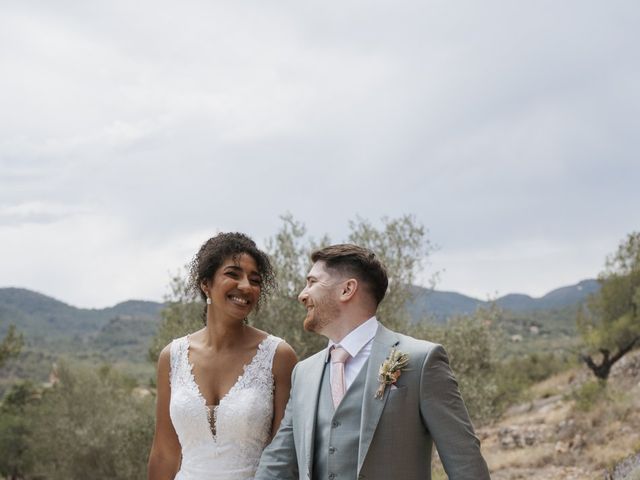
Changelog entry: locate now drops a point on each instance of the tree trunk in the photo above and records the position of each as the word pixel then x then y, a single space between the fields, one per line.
pixel 603 369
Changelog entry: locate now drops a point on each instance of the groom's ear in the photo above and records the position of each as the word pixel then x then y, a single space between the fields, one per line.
pixel 349 288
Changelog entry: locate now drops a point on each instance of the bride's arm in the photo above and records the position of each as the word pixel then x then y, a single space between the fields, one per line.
pixel 283 363
pixel 164 459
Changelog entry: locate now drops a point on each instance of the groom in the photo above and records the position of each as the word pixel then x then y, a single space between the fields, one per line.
pixel 345 421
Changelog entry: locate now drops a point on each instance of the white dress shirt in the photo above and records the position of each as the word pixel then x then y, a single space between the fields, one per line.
pixel 358 344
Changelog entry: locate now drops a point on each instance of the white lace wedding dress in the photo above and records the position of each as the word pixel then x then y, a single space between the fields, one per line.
pixel 222 442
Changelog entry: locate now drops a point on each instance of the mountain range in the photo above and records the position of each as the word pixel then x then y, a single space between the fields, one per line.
pixel 121 335
pixel 43 319
pixel 439 305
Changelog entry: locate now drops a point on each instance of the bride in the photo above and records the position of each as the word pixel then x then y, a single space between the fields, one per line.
pixel 221 390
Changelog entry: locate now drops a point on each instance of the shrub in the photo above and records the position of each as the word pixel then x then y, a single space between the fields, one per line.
pixel 589 394
pixel 90 423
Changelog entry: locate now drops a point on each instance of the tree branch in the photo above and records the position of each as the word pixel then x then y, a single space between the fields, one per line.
pixel 624 350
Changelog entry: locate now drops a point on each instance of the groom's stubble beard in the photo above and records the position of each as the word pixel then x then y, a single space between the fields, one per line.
pixel 324 311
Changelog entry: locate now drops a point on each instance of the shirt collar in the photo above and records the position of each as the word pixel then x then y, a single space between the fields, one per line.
pixel 358 337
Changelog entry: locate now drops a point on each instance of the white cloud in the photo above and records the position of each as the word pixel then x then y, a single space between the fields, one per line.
pixel 518 267
pixel 34 212
pixel 135 129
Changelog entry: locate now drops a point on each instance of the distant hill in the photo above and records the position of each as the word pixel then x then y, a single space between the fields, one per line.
pixel 557 432
pixel 121 334
pixel 439 306
pixel 45 319
pixel 118 335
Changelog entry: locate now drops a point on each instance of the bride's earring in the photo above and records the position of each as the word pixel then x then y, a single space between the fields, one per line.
pixel 208 300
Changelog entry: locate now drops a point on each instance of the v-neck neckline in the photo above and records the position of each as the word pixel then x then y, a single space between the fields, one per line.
pixel 212 407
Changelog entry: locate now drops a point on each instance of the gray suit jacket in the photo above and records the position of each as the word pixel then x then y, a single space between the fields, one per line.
pixel 397 432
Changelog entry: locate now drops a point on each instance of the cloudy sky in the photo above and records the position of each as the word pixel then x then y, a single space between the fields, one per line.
pixel 132 131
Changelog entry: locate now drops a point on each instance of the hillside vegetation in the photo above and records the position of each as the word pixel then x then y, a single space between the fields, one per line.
pixel 540 413
pixel 120 335
pixel 53 330
pixel 571 428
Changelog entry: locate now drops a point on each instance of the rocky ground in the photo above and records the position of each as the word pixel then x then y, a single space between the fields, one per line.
pixel 570 429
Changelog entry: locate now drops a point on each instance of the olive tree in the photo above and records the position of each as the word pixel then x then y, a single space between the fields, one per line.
pixel 471 342
pixel 403 247
pixel 181 314
pixel 610 323
pixel 91 423
pixel 401 244
pixel 289 250
pixel 10 345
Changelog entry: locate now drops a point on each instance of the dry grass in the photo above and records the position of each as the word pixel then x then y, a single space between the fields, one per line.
pixel 533 457
pixel 555 385
pixel 572 440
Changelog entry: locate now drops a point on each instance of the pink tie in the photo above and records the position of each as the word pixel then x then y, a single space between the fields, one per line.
pixel 338 385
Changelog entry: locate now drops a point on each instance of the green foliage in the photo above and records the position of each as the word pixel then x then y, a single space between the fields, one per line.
pixel 125 336
pixel 282 315
pixel 589 394
pixel 44 320
pixel 400 243
pixel 10 345
pixel 611 322
pixel 98 421
pixel 119 335
pixel 471 342
pixel 472 346
pixel 14 462
pixel 182 314
pixel 489 380
pixel 91 422
pixel 613 316
pixel 515 374
pixel 14 432
pixel 402 246
pixel 32 363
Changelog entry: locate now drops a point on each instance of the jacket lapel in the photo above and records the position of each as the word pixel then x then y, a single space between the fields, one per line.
pixel 372 407
pixel 312 383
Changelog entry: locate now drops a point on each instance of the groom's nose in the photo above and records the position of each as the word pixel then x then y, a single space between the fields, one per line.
pixel 302 297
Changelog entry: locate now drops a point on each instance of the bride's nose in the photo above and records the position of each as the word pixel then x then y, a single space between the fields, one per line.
pixel 244 284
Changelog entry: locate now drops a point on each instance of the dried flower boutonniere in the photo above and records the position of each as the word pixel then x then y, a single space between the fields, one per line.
pixel 390 370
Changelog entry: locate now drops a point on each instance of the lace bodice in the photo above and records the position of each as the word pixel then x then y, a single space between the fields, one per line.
pixel 242 419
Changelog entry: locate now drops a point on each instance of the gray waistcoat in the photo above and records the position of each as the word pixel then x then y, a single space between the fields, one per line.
pixel 337 434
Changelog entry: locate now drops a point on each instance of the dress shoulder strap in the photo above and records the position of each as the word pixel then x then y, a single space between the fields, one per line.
pixel 178 357
pixel 270 344
pixel 258 372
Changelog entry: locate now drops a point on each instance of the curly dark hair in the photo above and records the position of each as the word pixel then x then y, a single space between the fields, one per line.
pixel 216 250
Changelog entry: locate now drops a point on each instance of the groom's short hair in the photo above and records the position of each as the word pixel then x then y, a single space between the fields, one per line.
pixel 358 262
